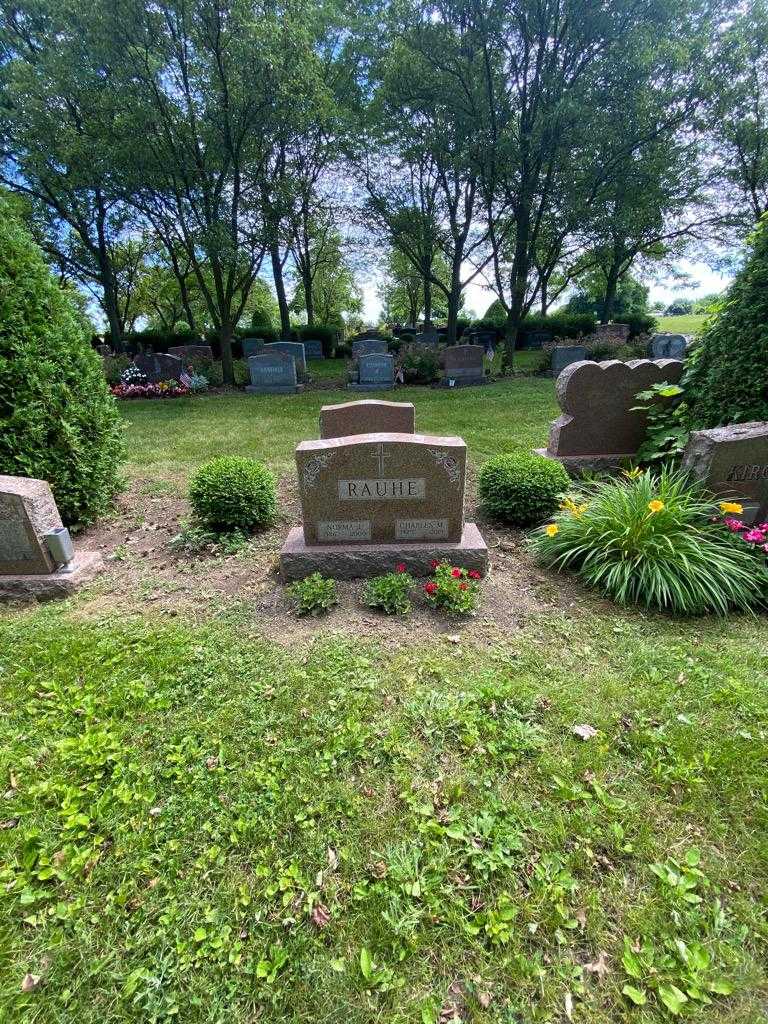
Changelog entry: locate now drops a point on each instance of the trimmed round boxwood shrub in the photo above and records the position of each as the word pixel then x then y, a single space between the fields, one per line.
pixel 521 488
pixel 232 492
pixel 727 379
pixel 58 421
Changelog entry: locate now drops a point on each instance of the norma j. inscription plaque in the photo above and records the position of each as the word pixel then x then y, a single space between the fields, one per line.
pixel 381 488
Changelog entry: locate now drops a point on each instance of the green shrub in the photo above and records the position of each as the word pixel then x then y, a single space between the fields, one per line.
pixel 561 325
pixel 58 421
pixel 453 589
pixel 390 593
pixel 727 379
pixel 420 364
pixel 521 488
pixel 651 541
pixel 231 492
pixel 113 368
pixel 314 595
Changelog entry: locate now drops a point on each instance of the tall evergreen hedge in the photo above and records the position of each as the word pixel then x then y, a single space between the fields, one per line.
pixel 58 421
pixel 728 370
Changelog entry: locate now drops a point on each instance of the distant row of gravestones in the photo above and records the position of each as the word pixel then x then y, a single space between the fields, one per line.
pixel 661 346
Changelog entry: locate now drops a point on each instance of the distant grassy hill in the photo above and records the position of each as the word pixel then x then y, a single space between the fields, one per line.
pixel 691 323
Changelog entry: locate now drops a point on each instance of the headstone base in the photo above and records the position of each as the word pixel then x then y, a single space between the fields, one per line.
pixel 461 382
pixel 370 387
pixel 353 561
pixel 87 564
pixel 578 464
pixel 277 389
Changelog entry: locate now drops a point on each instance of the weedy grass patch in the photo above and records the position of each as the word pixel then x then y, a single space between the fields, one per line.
pixel 199 826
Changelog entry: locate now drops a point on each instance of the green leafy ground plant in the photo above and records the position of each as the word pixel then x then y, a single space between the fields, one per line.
pixel 390 593
pixel 314 595
pixel 652 541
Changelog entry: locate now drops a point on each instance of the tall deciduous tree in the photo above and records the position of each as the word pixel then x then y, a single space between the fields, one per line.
pixel 57 61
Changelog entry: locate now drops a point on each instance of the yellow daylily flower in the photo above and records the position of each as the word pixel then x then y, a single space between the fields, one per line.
pixel 552 529
pixel 569 505
pixel 731 506
pixel 655 505
pixel 634 473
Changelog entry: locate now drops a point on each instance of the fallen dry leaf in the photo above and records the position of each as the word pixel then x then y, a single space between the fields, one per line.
pixel 8 823
pixel 581 917
pixel 484 998
pixel 584 732
pixel 569 1006
pixel 599 967
pixel 154 811
pixel 211 762
pixel 320 915
pixel 333 858
pixel 30 982
pixel 453 638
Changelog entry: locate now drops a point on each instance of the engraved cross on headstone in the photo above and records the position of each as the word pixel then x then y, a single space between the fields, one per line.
pixel 379 454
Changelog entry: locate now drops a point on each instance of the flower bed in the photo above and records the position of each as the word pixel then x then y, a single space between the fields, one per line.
pixel 164 389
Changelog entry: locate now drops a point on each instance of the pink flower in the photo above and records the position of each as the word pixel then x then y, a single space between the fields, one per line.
pixel 463 586
pixel 754 536
pixel 430 588
pixel 474 574
pixel 734 525
pixel 400 567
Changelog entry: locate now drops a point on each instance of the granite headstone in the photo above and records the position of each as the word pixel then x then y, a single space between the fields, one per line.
pixel 598 427
pixel 375 373
pixel 372 501
pixel 157 366
pixel 565 355
pixel 273 373
pixel 463 365
pixel 313 348
pixel 253 347
pixel 368 346
pixel 667 346
pixel 187 352
pixel 291 348
pixel 369 416
pixel 732 462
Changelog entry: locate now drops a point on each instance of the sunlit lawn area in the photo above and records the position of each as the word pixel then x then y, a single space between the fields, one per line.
pixel 690 323
pixel 200 825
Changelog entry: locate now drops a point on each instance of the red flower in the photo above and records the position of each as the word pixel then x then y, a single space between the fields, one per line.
pixel 400 567
pixel 430 588
pixel 434 563
pixel 463 586
pixel 474 574
pixel 456 573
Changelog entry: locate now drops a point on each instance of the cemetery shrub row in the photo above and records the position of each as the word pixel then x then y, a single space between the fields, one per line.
pixel 58 421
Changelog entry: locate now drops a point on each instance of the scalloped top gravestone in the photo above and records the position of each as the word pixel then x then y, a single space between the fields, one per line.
pixel 597 428
pixel 732 462
pixel 157 366
pixel 369 416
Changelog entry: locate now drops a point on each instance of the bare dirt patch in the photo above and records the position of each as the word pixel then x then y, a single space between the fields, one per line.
pixel 144 574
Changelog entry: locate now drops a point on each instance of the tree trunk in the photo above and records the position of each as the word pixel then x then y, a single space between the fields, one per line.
pixel 544 299
pixel 309 300
pixel 611 287
pixel 520 268
pixel 282 301
pixel 454 299
pixel 107 277
pixel 427 304
pixel 227 365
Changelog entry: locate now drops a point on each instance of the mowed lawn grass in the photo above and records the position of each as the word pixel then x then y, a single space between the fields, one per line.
pixel 201 827
pixel 689 323
pixel 172 438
